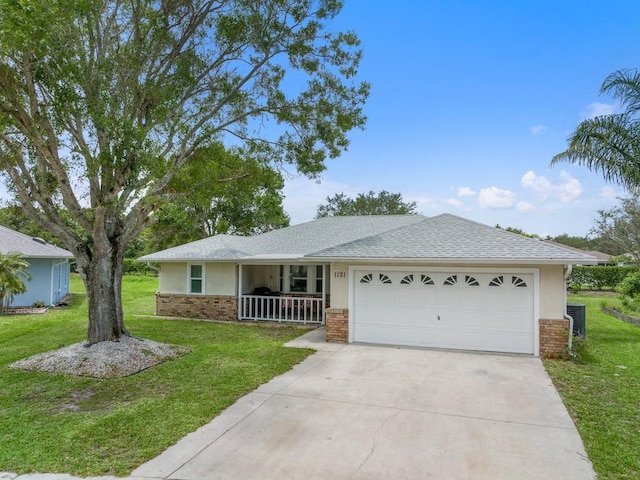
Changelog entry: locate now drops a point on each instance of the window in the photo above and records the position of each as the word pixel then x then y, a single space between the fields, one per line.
pixel 471 281
pixel 298 278
pixel 196 279
pixel 452 280
pixel 301 278
pixel 518 282
pixel 407 280
pixel 367 278
pixel 426 280
pixel 384 278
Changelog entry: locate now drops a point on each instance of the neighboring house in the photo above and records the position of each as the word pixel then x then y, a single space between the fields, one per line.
pixel 400 280
pixel 601 257
pixel 48 267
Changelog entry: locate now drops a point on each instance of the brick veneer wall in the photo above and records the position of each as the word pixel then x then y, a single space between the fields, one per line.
pixel 337 325
pixel 215 307
pixel 554 337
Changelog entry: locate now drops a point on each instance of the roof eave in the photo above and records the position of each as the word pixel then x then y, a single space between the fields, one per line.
pixel 458 260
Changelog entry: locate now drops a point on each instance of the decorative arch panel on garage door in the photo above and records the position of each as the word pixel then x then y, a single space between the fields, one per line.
pixel 471 310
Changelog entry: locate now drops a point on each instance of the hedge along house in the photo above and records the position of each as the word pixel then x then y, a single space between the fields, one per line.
pixel 48 268
pixel 443 282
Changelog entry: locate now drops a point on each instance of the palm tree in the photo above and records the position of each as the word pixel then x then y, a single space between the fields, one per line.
pixel 610 144
pixel 13 272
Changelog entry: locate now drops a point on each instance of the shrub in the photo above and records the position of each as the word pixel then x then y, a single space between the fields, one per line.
pixel 598 277
pixel 579 348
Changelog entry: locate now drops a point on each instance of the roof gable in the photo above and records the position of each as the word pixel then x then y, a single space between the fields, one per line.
pixel 29 247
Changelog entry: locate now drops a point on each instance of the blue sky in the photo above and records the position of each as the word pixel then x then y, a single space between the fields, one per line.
pixel 471 99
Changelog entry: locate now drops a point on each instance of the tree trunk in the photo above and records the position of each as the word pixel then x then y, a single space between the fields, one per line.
pixel 102 275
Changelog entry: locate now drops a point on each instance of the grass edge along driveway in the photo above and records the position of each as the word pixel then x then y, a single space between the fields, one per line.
pixel 90 427
pixel 602 392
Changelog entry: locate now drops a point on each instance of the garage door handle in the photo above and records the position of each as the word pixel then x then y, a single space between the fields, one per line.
pixel 438 317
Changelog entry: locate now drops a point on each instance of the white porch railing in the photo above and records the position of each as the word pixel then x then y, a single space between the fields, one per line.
pixel 281 308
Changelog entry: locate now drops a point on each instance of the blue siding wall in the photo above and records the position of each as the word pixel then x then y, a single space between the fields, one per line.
pixel 41 288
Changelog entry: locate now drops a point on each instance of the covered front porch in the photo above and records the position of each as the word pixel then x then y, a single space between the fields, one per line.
pixel 283 293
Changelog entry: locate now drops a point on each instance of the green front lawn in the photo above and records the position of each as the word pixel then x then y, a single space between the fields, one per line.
pixel 85 426
pixel 602 392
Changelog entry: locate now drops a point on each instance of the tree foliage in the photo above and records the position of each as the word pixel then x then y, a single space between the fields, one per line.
pixel 219 192
pixel 618 229
pixel 13 274
pixel 598 277
pixel 382 203
pixel 610 144
pixel 102 102
pixel 12 216
pixel 583 243
pixel 518 231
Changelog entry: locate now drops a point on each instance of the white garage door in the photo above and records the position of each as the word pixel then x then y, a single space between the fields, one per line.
pixel 490 311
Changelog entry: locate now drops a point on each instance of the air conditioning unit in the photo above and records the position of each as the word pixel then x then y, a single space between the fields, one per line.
pixel 577 312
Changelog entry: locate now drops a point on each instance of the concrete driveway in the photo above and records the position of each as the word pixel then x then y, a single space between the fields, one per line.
pixel 368 412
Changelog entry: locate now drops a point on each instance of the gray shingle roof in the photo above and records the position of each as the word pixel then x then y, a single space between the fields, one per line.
pixel 295 241
pixel 29 247
pixel 442 238
pixel 447 237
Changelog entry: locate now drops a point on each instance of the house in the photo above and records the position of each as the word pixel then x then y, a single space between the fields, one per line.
pixel 48 268
pixel 601 257
pixel 441 281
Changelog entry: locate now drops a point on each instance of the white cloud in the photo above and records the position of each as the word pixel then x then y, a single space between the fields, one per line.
pixel 597 109
pixel 465 192
pixel 566 189
pixel 454 202
pixel 525 207
pixel 494 197
pixel 608 192
pixel 537 129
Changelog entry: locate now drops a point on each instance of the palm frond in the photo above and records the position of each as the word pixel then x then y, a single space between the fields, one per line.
pixel 625 86
pixel 610 145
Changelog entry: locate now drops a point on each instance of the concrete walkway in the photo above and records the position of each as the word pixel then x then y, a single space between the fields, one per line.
pixel 369 412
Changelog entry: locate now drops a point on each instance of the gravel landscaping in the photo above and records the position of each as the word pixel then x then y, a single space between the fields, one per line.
pixel 126 357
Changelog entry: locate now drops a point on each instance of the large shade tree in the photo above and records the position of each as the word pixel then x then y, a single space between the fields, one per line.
pixel 237 195
pixel 102 102
pixel 610 144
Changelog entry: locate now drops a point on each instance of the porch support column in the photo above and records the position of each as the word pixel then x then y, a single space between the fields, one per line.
pixel 239 291
pixel 324 292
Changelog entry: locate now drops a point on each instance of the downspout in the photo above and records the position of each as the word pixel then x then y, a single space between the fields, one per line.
pixel 567 273
pixel 153 267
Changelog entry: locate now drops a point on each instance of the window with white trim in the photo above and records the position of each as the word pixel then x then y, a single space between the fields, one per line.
pixel 301 278
pixel 196 278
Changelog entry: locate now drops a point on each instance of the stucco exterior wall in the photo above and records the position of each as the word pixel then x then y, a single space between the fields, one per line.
pixel 552 292
pixel 220 279
pixel 173 278
pixel 339 285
